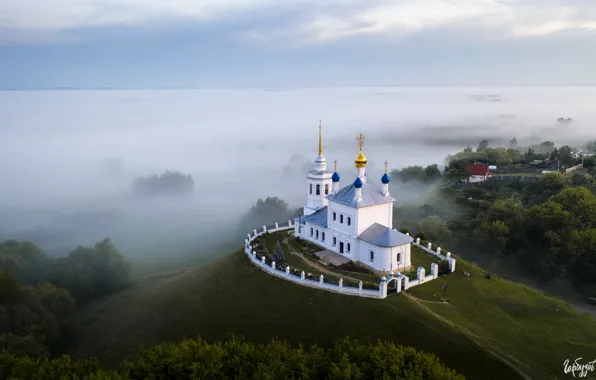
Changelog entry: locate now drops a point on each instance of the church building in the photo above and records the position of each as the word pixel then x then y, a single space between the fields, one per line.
pixel 355 221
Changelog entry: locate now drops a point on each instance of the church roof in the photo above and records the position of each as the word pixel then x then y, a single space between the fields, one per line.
pixel 319 218
pixel 370 196
pixel 382 236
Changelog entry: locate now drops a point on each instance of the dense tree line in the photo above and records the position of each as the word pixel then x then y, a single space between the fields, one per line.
pixel 241 359
pixel 428 174
pixel 547 226
pixel 552 237
pixel 168 183
pixel 38 293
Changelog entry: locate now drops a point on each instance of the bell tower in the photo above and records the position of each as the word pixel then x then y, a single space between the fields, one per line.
pixel 319 181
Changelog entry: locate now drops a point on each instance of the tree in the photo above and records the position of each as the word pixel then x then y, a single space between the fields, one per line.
pixel 436 230
pixel 168 183
pixel 482 146
pixel 91 272
pixel 278 256
pixel 530 155
pixel 493 235
pixel 264 213
pixel 513 143
pixel 565 156
pixel 457 169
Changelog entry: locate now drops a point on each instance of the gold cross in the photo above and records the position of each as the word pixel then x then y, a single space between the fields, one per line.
pixel 335 162
pixel 360 140
pixel 386 163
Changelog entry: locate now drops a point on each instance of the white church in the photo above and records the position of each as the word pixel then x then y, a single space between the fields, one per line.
pixel 355 221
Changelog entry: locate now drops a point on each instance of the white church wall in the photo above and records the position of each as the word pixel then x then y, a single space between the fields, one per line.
pixel 404 263
pixel 339 210
pixel 381 257
pixel 367 216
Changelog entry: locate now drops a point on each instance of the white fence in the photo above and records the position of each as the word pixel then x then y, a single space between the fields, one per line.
pixel 402 282
pixel 429 249
pixel 302 280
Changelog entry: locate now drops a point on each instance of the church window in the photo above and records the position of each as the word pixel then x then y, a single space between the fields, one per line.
pixel 310 188
pixel 334 241
pixel 398 257
pixel 334 216
pixel 348 250
pixel 317 234
pixel 311 231
pixel 326 188
pixel 318 189
pixel 372 256
pixel 349 221
pixel 341 218
pixel 322 236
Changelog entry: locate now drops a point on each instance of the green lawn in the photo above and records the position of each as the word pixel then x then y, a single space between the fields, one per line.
pixel 533 330
pixel 231 295
pixel 421 258
pixel 488 328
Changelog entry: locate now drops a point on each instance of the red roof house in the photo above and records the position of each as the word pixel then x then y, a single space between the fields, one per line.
pixel 478 172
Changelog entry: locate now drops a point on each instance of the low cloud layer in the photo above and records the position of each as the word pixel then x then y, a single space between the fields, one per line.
pixel 68 157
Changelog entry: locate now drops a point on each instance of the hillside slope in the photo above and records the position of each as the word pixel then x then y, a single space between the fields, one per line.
pixel 231 295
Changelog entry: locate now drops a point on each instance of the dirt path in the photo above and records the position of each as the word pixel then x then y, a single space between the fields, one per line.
pixel 317 266
pixel 508 360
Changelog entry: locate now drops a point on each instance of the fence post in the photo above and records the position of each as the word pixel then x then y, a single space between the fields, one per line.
pixel 255 231
pixel 254 255
pixel 452 264
pixel 448 255
pixel 288 270
pixel 276 225
pixel 273 265
pixel 263 260
pixel 302 276
pixel 434 270
pixel 407 233
pixel 248 236
pixel 420 275
pixel 360 287
pixel 418 241
pixel 321 279
pixel 264 228
pixel 341 283
pixel 430 246
pixel 439 251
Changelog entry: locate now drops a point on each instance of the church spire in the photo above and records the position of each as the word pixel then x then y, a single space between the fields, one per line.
pixel 320 139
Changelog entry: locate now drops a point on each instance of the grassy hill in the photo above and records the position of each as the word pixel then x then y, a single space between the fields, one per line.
pixel 489 329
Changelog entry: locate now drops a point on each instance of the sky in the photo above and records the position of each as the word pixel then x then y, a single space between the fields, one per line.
pixel 298 43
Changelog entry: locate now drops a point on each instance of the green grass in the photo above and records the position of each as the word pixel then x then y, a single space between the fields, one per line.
pixel 231 295
pixel 485 324
pixel 421 258
pixel 533 330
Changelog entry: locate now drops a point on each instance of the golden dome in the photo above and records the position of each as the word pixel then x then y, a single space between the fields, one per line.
pixel 360 160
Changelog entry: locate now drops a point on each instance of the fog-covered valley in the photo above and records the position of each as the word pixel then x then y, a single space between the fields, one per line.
pixel 68 158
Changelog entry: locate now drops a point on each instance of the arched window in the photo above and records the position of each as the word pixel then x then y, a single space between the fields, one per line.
pixel 398 257
pixel 326 188
pixel 310 188
pixel 318 189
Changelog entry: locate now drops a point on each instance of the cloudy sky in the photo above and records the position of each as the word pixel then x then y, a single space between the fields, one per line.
pixel 275 43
